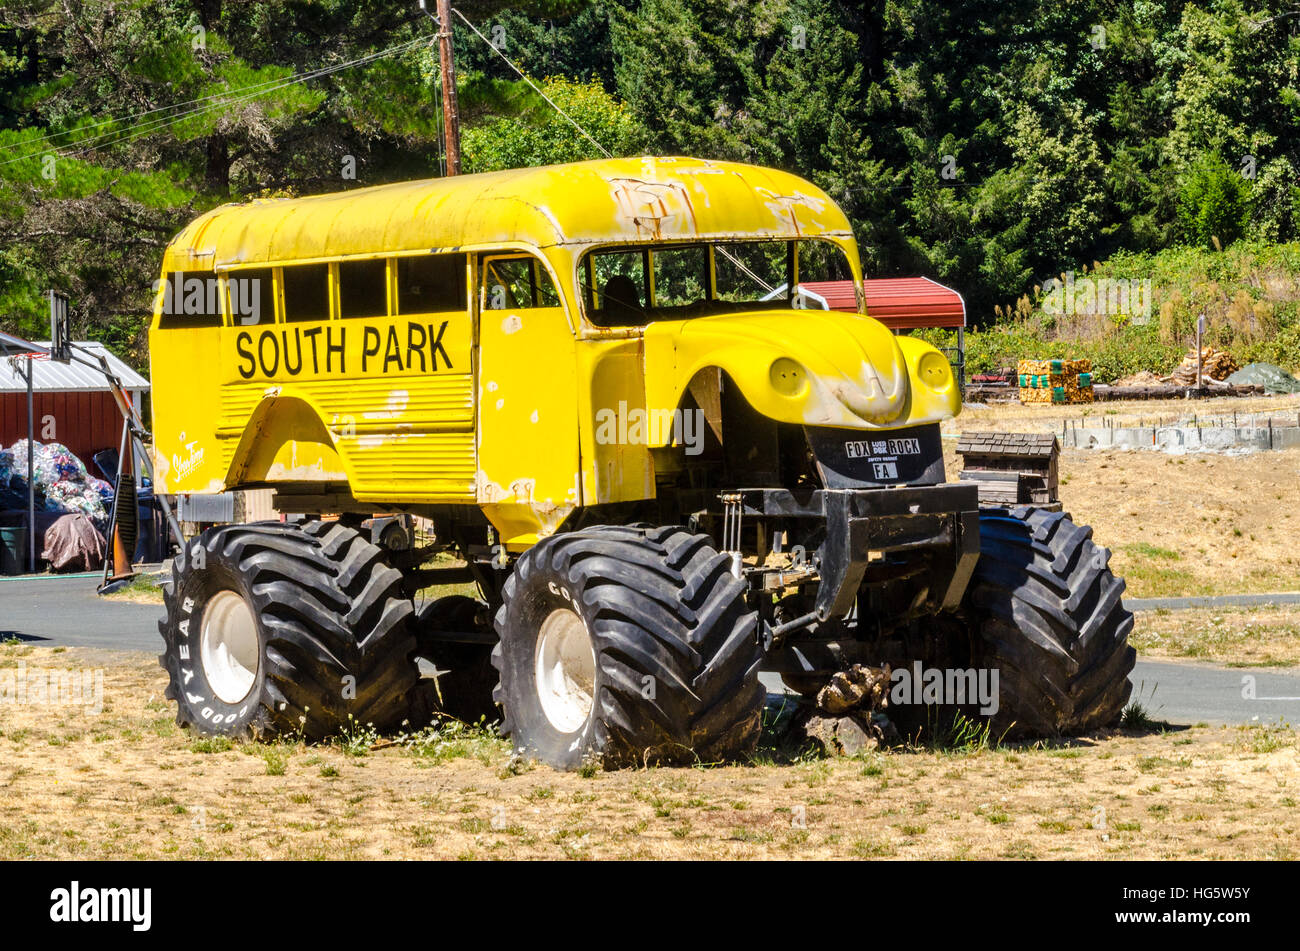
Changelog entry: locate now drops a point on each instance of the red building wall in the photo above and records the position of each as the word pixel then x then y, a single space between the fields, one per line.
pixel 85 422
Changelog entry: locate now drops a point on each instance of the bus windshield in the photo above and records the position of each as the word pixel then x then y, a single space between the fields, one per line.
pixel 634 285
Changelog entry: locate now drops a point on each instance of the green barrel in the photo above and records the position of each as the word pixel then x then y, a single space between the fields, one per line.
pixel 13 550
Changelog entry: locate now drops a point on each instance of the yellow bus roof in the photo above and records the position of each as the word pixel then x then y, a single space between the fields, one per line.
pixel 598 202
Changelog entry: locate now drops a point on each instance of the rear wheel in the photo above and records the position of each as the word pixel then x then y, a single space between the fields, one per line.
pixel 1050 619
pixel 627 646
pixel 281 629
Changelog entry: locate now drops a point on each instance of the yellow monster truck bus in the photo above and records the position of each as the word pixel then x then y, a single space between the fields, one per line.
pixel 660 472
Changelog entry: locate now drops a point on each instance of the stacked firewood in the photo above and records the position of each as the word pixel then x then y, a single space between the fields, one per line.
pixel 1055 381
pixel 1215 365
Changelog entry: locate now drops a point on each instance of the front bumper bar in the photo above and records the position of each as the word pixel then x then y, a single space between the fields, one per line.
pixel 858 522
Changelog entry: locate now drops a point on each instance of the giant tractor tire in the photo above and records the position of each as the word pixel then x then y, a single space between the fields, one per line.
pixel 466 677
pixel 625 646
pixel 1048 616
pixel 275 629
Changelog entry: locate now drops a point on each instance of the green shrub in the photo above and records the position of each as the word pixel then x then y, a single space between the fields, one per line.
pixel 1213 203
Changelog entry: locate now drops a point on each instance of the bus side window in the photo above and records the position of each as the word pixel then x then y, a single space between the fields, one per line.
pixel 306 292
pixel 190 299
pixel 363 288
pixel 431 283
pixel 517 282
pixel 252 296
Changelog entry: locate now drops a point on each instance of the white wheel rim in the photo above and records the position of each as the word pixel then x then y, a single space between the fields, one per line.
pixel 565 670
pixel 228 646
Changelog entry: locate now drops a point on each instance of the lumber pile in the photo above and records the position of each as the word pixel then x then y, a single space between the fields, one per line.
pixel 1216 365
pixel 1055 381
pixel 1168 391
pixel 1006 376
pixel 1070 381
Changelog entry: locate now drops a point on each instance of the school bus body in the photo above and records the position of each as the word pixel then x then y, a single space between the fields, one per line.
pixel 409 406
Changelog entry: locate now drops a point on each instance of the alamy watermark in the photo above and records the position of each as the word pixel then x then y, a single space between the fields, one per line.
pixel 636 426
pixel 193 296
pixel 1102 295
pixel 78 903
pixel 949 686
pixel 44 687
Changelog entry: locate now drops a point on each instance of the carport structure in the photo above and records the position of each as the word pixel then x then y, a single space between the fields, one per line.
pixel 901 304
pixel 72 403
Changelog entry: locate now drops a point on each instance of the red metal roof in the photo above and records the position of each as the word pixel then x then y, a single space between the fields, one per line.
pixel 900 303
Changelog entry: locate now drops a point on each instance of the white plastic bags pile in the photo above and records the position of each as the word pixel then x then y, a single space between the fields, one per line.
pixel 62 483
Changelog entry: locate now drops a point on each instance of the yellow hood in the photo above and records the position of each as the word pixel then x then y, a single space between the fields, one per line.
pixel 811 367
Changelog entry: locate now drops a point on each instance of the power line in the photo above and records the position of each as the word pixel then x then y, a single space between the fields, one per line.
pixel 217 100
pixel 573 122
pixel 238 97
pixel 243 95
pixel 131 117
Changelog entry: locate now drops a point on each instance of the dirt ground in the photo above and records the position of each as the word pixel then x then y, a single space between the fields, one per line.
pixel 128 783
pixel 1195 524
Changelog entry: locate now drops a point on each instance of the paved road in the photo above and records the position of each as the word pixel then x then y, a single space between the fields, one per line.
pixel 65 611
pixel 1201 693
pixel 1212 601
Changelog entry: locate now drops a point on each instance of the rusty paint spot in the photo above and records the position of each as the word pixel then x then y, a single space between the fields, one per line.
pixel 648 205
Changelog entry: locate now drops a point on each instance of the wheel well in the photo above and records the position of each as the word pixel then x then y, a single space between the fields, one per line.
pixel 734 444
pixel 275 422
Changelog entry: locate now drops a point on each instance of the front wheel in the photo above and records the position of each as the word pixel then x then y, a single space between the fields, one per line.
pixel 627 646
pixel 1049 618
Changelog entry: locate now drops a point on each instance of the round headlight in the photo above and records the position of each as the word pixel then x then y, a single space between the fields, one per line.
pixel 789 378
pixel 934 371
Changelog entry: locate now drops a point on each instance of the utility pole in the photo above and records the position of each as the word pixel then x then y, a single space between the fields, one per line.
pixel 31 472
pixel 450 110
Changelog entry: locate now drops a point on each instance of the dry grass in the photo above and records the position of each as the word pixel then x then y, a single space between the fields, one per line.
pixel 1229 521
pixel 1258 637
pixel 129 784
pixel 144 588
